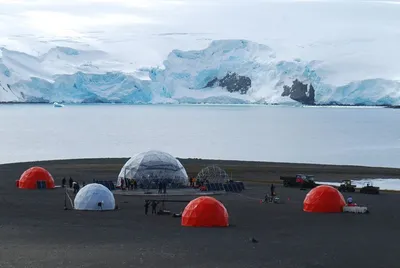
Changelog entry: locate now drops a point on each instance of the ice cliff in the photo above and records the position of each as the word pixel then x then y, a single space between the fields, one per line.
pixel 227 71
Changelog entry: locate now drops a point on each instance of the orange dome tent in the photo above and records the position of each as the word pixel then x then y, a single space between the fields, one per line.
pixel 36 178
pixel 205 211
pixel 324 198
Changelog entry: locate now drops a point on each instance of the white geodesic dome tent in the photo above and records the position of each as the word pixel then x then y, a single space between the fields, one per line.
pixel 153 167
pixel 212 174
pixel 94 196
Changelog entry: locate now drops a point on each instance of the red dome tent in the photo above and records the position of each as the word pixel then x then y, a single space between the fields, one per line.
pixel 324 198
pixel 205 211
pixel 36 178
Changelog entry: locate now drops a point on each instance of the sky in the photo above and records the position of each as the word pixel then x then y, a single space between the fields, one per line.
pixel 345 33
pixel 76 17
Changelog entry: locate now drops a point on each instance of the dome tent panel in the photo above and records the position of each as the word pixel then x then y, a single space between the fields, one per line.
pixel 212 174
pixel 36 178
pixel 93 194
pixel 205 211
pixel 154 166
pixel 325 199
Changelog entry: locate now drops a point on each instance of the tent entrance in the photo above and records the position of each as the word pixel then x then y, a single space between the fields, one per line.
pixel 41 184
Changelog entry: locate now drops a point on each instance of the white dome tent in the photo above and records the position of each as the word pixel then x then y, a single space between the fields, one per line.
pixel 213 174
pixel 94 196
pixel 150 168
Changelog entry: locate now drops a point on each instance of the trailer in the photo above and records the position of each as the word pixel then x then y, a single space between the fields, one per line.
pixel 369 189
pixel 356 209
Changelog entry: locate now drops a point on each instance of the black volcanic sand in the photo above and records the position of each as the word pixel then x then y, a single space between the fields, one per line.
pixel 35 231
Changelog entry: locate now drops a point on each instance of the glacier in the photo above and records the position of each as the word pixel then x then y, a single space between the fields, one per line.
pixel 228 71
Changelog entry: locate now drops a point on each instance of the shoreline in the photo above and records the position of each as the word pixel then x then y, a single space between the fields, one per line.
pixel 209 160
pixel 251 171
pixel 300 105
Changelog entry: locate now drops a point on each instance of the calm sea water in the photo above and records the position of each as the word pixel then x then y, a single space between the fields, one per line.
pixel 363 136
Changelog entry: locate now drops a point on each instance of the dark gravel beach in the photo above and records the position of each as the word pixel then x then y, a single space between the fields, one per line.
pixel 35 231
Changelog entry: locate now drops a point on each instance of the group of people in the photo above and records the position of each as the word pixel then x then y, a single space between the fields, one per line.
pixel 162 187
pixel 153 205
pixel 132 184
pixel 129 184
pixel 72 184
pixel 194 182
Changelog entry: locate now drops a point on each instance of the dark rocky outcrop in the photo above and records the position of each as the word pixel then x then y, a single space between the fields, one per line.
pixel 300 92
pixel 94 99
pixel 392 106
pixel 32 99
pixel 232 82
pixel 8 88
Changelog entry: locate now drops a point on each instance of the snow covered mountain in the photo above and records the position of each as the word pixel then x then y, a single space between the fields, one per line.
pixel 227 71
pixel 290 51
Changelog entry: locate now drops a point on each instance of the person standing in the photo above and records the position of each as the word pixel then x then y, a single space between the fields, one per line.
pixel 272 189
pixel 160 186
pixel 146 207
pixel 154 207
pixel 76 187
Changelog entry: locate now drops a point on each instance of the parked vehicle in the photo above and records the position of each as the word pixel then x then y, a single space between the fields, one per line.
pixel 299 180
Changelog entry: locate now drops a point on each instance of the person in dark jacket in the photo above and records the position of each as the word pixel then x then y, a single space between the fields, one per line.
pixel 154 207
pixel 76 187
pixel 71 181
pixel 272 189
pixel 63 182
pixel 146 207
pixel 160 186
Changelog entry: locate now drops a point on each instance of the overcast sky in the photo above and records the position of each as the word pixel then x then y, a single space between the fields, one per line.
pixel 75 17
